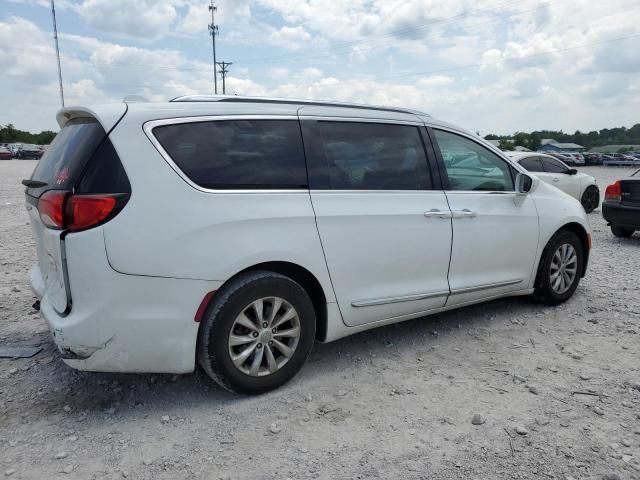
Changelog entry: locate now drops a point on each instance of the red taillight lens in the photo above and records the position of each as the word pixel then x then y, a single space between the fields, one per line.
pixel 51 208
pixel 84 211
pixel 59 209
pixel 613 193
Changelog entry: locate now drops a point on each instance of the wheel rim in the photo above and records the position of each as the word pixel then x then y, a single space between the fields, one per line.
pixel 564 268
pixel 264 336
pixel 590 199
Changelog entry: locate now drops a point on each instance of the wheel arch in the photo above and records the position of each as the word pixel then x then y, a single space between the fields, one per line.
pixel 585 241
pixel 306 279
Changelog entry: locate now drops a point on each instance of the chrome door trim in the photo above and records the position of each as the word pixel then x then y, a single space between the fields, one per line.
pixel 405 298
pixel 148 127
pixel 487 286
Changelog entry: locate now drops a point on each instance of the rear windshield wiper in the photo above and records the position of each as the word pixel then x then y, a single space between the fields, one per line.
pixel 33 183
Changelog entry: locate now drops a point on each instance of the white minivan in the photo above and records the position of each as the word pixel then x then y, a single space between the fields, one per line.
pixel 236 231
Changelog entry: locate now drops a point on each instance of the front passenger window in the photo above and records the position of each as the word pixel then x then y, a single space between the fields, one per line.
pixel 472 167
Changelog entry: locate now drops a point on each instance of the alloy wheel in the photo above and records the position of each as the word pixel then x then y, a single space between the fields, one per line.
pixel 264 336
pixel 564 268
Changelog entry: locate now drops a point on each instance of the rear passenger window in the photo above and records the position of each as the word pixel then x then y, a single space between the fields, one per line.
pixel 242 154
pixel 532 164
pixel 374 156
pixel 553 166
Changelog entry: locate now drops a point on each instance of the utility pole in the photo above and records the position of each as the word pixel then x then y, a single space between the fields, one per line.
pixel 55 38
pixel 213 30
pixel 223 71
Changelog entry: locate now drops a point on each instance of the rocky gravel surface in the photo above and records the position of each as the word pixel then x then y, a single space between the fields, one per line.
pixel 504 390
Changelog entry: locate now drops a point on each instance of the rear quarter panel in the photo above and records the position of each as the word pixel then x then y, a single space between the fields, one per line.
pixel 171 229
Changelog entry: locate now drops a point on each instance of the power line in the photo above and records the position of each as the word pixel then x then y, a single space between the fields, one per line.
pixel 429 72
pixel 223 71
pixel 532 55
pixel 213 30
pixel 306 57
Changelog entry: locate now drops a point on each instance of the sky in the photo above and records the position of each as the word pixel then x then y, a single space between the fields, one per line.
pixel 492 66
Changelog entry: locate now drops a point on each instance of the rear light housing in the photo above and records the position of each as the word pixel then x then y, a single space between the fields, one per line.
pixel 613 193
pixel 60 210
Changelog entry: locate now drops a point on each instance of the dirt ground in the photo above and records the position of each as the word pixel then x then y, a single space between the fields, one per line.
pixel 558 388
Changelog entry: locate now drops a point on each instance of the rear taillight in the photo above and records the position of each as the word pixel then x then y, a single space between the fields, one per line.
pixel 60 210
pixel 51 208
pixel 85 211
pixel 613 193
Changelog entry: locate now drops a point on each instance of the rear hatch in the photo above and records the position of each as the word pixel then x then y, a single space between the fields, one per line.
pixel 630 192
pixel 81 160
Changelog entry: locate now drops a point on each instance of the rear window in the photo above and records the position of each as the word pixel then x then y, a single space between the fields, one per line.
pixel 66 157
pixel 243 154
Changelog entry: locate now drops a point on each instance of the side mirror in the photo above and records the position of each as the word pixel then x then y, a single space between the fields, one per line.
pixel 524 183
pixel 572 171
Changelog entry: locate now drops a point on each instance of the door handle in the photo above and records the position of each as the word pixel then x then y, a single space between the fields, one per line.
pixel 464 213
pixel 435 213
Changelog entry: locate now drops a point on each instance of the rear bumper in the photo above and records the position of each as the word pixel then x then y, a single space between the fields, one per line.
pixel 122 323
pixel 621 215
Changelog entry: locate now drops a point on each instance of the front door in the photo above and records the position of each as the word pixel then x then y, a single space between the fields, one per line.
pixel 495 230
pixel 557 174
pixel 386 233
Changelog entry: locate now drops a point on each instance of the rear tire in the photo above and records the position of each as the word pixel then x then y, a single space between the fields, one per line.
pixel 235 347
pixel 560 268
pixel 621 232
pixel 590 198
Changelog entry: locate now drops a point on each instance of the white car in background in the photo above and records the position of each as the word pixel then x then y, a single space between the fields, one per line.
pixel 554 172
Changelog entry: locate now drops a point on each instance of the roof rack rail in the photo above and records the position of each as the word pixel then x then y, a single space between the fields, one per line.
pixel 290 101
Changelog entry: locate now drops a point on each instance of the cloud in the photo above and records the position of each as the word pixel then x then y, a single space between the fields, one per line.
pixel 143 19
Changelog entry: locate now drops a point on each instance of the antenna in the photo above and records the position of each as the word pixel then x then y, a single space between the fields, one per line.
pixel 55 38
pixel 213 31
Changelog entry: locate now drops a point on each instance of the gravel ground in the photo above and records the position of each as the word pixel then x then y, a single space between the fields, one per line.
pixel 558 390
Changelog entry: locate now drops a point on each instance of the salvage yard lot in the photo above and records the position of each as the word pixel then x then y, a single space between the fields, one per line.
pixel 558 390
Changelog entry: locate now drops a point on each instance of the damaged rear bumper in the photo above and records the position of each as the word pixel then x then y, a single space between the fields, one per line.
pixel 119 322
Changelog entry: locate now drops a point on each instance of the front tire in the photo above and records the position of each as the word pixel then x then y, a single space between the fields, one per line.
pixel 590 198
pixel 621 232
pixel 560 268
pixel 257 333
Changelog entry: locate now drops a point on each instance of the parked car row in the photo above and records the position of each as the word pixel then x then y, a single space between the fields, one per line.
pixel 25 151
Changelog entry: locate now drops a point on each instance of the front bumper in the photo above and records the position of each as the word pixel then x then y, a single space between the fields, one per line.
pixel 621 215
pixel 122 323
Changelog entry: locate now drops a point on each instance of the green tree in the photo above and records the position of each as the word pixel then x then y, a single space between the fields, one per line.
pixel 506 144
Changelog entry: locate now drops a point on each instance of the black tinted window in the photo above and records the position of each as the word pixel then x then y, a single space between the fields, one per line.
pixel 237 153
pixel 532 164
pixel 105 173
pixel 553 166
pixel 66 157
pixel 374 156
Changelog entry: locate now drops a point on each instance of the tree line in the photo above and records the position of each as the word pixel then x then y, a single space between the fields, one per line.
pixel 10 134
pixel 595 138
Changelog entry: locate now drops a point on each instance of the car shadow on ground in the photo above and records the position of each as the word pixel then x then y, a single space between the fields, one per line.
pixel 95 395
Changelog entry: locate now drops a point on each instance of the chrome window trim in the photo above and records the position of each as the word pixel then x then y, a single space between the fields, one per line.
pixel 148 127
pixel 341 119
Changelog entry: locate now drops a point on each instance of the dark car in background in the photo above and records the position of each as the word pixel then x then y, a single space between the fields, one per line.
pixel 28 151
pixel 593 159
pixel 5 153
pixel 621 206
